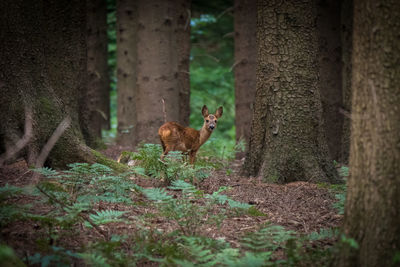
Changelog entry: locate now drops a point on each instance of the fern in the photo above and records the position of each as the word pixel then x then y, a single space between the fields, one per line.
pixel 157 194
pixel 95 259
pixel 339 205
pixel 107 216
pixel 269 238
pixel 183 186
pixel 327 233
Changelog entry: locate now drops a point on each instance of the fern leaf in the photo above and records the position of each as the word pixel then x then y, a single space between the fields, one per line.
pixel 107 216
pixel 157 194
pixel 95 260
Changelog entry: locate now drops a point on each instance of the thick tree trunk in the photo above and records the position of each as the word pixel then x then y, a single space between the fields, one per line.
pixel 347 48
pixel 183 46
pixel 43 66
pixel 245 24
pixel 330 72
pixel 287 121
pixel 157 69
pixel 372 209
pixel 96 110
pixel 127 19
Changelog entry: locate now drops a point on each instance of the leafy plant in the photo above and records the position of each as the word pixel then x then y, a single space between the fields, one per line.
pixel 173 167
pixel 328 233
pixel 187 211
pixel 268 238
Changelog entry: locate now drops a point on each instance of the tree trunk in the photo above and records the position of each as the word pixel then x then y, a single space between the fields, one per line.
pixel 43 66
pixel 127 21
pixel 96 109
pixel 245 66
pixel 287 141
pixel 372 209
pixel 157 69
pixel 330 75
pixel 347 48
pixel 183 46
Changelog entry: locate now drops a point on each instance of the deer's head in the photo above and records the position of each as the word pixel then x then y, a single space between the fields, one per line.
pixel 210 120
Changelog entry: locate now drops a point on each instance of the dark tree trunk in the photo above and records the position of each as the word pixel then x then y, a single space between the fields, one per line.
pixel 287 141
pixel 127 19
pixel 347 48
pixel 157 68
pixel 183 46
pixel 330 72
pixel 372 208
pixel 96 111
pixel 245 13
pixel 43 66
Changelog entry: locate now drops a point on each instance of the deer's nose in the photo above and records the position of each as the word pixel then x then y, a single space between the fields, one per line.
pixel 212 127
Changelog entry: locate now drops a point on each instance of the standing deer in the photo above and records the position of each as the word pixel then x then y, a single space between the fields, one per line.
pixel 174 136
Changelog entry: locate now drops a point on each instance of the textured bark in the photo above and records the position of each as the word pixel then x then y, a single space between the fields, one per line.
pixel 330 75
pixel 245 24
pixel 372 209
pixel 127 21
pixel 287 121
pixel 347 47
pixel 43 65
pixel 183 46
pixel 157 68
pixel 96 111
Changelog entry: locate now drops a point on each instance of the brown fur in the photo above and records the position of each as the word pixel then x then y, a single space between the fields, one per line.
pixel 175 137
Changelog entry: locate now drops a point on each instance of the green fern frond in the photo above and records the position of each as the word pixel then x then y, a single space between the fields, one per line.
pixel 8 191
pixel 107 216
pixel 325 233
pixel 157 194
pixel 238 205
pixel 269 238
pixel 183 186
pixel 95 260
pixel 47 172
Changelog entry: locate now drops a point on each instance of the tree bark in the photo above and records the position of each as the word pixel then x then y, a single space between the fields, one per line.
pixel 245 24
pixel 157 68
pixel 127 21
pixel 183 47
pixel 287 141
pixel 347 48
pixel 372 208
pixel 96 111
pixel 43 66
pixel 330 75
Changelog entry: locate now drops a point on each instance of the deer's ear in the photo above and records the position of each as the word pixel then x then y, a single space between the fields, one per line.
pixel 204 111
pixel 219 112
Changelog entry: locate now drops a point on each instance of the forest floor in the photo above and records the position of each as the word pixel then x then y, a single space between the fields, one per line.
pixel 300 206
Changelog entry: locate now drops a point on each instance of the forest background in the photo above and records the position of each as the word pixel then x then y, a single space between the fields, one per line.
pixel 313 70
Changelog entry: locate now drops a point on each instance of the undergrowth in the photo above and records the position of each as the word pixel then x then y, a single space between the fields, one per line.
pixel 91 202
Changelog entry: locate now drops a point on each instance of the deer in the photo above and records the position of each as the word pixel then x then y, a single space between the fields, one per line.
pixel 175 137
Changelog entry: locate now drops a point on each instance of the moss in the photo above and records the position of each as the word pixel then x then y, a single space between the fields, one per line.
pixel 97 143
pixel 46 105
pixel 100 158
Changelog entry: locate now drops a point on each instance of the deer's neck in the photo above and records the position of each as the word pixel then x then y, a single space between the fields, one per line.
pixel 204 135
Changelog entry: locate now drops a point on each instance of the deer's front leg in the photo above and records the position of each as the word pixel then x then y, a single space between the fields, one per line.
pixel 192 156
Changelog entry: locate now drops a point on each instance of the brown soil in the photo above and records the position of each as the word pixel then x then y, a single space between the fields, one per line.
pixel 299 206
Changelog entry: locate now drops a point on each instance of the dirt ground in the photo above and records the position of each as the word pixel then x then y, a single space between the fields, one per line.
pixel 299 206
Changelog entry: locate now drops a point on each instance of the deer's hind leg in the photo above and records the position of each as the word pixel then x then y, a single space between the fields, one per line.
pixel 165 150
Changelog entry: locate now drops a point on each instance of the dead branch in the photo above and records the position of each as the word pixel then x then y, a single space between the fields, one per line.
pixel 164 111
pixel 21 143
pixel 52 141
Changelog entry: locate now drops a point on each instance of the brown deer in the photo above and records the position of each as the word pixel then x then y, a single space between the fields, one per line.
pixel 175 137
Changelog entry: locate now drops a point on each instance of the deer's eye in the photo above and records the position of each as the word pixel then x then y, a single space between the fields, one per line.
pixel 215 121
pixel 207 121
